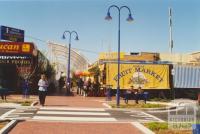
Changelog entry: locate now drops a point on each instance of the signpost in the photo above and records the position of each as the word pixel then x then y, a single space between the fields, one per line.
pixel 11 34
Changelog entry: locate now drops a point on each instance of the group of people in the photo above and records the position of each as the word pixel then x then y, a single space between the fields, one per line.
pixel 87 86
pixel 133 93
pixel 43 84
pixel 63 85
pixel 84 87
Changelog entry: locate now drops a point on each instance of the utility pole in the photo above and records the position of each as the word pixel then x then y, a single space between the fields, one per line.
pixel 170 31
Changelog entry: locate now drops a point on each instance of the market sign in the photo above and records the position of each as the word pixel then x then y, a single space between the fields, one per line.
pixel 16 48
pixel 147 76
pixel 11 34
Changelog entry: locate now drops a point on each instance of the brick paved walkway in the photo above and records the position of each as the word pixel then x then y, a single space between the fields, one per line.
pixel 50 127
pixel 32 127
pixel 74 101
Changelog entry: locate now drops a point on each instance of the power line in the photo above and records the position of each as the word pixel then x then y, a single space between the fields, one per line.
pixel 45 42
pixel 28 36
pixel 89 51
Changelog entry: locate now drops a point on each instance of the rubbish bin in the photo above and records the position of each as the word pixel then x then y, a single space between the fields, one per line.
pixel 196 129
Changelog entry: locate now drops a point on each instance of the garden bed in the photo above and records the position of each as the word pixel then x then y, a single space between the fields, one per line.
pixel 21 102
pixel 162 128
pixel 140 105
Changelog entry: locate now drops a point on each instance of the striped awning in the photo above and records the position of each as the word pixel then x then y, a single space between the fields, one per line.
pixel 186 76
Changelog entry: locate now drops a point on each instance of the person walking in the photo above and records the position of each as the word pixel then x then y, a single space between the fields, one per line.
pixel 25 87
pixel 136 94
pixel 95 88
pixel 43 84
pixel 85 88
pixel 89 84
pixel 79 85
pixel 3 90
pixel 61 84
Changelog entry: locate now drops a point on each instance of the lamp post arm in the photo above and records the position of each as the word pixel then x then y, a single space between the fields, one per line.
pixel 65 32
pixel 74 32
pixel 126 8
pixel 113 6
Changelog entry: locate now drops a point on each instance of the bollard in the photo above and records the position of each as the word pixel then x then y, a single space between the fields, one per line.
pixel 145 96
pixel 108 94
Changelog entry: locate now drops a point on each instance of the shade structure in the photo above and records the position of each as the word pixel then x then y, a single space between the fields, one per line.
pixel 83 73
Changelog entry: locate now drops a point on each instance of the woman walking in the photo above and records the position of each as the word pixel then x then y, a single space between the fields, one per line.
pixel 43 84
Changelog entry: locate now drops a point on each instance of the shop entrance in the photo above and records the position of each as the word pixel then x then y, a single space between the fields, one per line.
pixel 8 76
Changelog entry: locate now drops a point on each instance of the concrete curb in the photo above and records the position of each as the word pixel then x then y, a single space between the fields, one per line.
pixel 2 117
pixel 8 127
pixel 142 128
pixel 34 103
pixel 156 109
pixel 139 109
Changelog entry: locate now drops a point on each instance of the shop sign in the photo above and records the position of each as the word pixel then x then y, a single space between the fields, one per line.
pixel 15 61
pixel 16 47
pixel 11 34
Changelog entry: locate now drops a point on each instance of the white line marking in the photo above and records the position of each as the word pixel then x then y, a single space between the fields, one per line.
pixel 72 118
pixel 22 113
pixel 71 113
pixel 19 110
pixel 12 116
pixel 145 121
pixel 18 118
pixel 167 110
pixel 106 105
pixel 142 128
pixel 138 116
pixel 127 112
pixel 75 109
pixel 153 117
pixel 6 114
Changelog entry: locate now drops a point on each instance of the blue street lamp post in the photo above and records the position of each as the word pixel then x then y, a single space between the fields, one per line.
pixel 108 17
pixel 68 80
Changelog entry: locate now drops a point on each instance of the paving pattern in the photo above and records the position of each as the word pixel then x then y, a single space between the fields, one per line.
pixel 71 114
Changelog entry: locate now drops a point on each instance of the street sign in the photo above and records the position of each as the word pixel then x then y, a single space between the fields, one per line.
pixel 11 34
